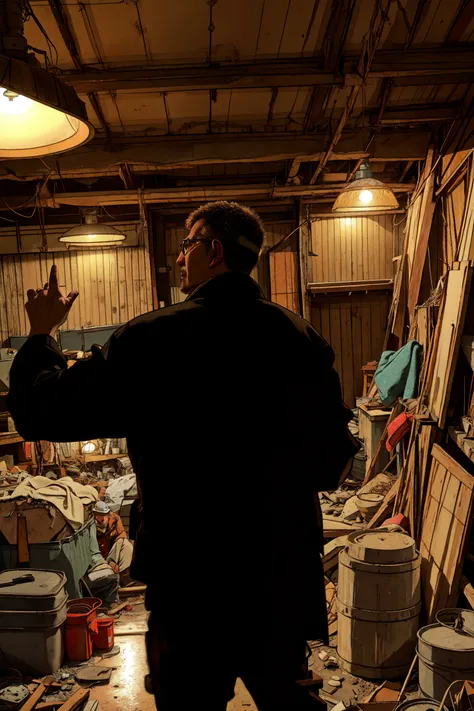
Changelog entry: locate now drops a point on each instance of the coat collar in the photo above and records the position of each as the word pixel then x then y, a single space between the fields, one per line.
pixel 231 285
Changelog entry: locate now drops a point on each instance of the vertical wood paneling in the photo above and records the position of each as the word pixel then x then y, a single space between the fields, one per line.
pixel 114 285
pixel 355 248
pixel 355 328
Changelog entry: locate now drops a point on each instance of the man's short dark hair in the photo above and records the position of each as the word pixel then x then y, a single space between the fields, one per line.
pixel 239 229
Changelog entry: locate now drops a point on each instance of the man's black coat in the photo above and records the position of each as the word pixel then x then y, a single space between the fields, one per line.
pixel 234 418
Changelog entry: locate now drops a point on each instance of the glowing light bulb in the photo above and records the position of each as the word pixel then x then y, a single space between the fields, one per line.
pixel 365 196
pixel 14 104
pixel 88 447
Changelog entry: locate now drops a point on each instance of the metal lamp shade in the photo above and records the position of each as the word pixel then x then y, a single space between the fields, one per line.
pixel 92 235
pixel 365 195
pixel 39 115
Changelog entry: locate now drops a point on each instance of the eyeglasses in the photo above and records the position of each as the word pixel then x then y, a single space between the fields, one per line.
pixel 187 243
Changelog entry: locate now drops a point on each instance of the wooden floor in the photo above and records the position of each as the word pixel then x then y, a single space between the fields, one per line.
pixel 126 691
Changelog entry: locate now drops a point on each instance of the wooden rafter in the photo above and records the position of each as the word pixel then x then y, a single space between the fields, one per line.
pixel 338 133
pixel 182 195
pixel 377 22
pixel 406 169
pixel 62 22
pixel 420 10
pixel 463 19
pixel 333 44
pixel 92 96
pixel 153 154
pixel 405 67
pixel 294 168
pixel 351 175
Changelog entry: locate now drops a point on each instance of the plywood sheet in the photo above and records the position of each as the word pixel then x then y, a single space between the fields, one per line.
pixel 449 327
pixel 444 530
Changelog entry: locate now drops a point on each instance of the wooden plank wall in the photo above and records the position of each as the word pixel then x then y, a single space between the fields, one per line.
pixel 354 325
pixel 114 285
pixel 283 265
pixel 355 248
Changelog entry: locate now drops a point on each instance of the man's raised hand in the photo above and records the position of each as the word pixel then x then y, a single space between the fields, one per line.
pixel 47 308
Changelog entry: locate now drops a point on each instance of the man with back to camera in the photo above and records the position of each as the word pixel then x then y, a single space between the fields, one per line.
pixel 237 400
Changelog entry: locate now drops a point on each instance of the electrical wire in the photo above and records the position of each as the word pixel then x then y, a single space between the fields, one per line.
pixel 31 13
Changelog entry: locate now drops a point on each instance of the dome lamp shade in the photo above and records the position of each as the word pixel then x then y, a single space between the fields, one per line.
pixel 92 233
pixel 39 114
pixel 365 194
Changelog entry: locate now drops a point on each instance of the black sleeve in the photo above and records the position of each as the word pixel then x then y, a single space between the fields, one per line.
pixel 50 401
pixel 335 445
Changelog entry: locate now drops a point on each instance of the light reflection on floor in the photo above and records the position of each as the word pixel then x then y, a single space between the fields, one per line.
pixel 126 691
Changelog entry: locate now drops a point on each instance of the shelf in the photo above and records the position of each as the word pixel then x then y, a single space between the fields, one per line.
pixel 102 457
pixel 12 438
pixel 465 444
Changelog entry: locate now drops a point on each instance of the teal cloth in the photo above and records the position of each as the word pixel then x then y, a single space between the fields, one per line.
pixel 397 373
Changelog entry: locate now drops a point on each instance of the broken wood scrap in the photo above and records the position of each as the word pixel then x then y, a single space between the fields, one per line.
pixel 468 590
pixel 118 608
pixel 136 590
pixel 31 703
pixel 387 691
pixel 76 700
pixel 330 558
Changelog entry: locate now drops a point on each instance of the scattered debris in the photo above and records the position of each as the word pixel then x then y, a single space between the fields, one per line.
pixel 323 655
pixel 94 674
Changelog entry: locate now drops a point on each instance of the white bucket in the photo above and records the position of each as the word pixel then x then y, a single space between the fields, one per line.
pixel 444 656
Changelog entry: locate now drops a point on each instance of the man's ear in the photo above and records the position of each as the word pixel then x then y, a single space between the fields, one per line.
pixel 216 254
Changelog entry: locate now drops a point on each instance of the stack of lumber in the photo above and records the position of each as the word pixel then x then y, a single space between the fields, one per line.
pixel 433 303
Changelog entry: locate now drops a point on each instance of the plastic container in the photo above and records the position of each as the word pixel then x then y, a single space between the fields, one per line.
pixel 444 655
pixel 81 627
pixel 32 616
pixel 104 638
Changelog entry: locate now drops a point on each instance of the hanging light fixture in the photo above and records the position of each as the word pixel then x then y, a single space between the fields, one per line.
pixel 39 114
pixel 365 194
pixel 92 233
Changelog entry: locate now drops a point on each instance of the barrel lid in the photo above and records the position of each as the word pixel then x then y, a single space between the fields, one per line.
pixel 381 547
pixel 419 705
pixel 438 635
pixel 458 618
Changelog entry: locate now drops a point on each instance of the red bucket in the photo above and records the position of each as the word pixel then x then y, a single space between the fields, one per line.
pixel 104 639
pixel 81 627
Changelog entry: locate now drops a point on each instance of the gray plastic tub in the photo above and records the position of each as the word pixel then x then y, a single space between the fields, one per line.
pixel 32 616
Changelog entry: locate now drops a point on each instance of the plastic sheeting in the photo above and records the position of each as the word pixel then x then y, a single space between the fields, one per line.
pixel 72 556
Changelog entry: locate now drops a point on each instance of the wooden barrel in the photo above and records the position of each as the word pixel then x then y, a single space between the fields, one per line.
pixel 378 603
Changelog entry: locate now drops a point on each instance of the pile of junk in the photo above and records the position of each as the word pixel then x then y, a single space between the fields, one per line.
pixel 55 586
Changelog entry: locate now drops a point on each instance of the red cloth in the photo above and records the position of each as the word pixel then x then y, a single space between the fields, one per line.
pixel 397 430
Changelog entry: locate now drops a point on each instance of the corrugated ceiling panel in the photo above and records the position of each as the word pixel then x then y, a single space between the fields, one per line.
pixel 176 30
pixel 297 24
pixel 136 110
pixel 435 22
pixel 188 108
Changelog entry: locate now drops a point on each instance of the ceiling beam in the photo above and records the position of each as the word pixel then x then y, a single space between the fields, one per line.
pixel 366 58
pixel 168 152
pixel 398 115
pixel 184 195
pixel 461 22
pixel 405 170
pixel 66 33
pixel 301 72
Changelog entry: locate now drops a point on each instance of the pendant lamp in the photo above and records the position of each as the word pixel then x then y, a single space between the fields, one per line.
pixel 365 194
pixel 39 114
pixel 92 233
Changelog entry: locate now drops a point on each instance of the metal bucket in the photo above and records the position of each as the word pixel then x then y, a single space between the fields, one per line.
pixel 444 655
